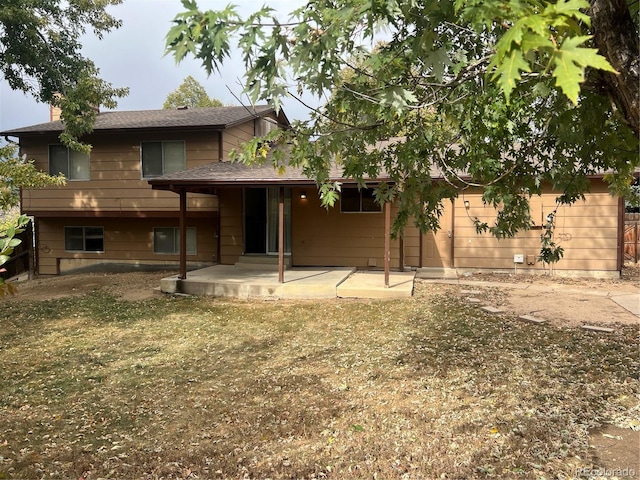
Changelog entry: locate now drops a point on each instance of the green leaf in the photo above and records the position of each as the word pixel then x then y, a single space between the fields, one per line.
pixel 509 71
pixel 533 41
pixel 397 97
pixel 570 8
pixel 570 62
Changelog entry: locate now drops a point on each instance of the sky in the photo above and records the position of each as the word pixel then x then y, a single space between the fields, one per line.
pixel 133 56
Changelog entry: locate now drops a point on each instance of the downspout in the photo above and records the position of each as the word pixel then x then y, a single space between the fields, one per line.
pixel 36 247
pixel 220 147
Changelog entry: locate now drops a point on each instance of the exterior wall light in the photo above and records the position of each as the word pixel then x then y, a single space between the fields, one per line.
pixel 466 204
pixel 303 195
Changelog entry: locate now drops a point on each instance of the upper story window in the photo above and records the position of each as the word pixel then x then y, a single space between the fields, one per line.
pixel 73 165
pixel 160 158
pixel 358 200
pixel 262 126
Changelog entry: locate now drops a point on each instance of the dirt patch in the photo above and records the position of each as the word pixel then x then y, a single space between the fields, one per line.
pixel 617 450
pixel 561 301
pixel 125 285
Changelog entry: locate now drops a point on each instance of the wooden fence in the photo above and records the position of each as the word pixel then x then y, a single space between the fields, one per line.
pixel 20 258
pixel 631 237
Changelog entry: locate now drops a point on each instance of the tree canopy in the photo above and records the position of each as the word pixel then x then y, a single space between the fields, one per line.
pixel 16 173
pixel 40 54
pixel 190 94
pixel 485 94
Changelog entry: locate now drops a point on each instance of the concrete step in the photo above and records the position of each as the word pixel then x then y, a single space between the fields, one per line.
pixel 436 272
pixel 262 262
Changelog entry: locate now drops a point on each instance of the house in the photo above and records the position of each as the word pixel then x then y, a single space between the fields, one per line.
pixel 107 211
pixel 354 232
pixel 159 180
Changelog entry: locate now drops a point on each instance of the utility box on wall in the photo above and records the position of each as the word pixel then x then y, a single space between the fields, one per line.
pixel 518 258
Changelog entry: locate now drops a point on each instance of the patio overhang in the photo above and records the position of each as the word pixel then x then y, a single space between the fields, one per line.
pixel 212 177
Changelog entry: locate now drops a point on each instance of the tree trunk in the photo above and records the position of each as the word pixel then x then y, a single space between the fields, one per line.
pixel 616 36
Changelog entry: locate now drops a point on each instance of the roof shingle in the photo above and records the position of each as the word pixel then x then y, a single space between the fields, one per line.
pixel 211 117
pixel 220 174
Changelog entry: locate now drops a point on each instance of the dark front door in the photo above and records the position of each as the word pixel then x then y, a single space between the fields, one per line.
pixel 255 220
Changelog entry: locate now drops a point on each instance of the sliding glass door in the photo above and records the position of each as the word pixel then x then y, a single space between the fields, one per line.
pixel 261 220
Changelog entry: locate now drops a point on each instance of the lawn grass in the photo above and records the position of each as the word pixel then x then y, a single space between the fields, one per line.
pixel 94 387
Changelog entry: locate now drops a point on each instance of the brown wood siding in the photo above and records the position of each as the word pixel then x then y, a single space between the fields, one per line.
pixel 124 240
pixel 116 183
pixel 323 237
pixel 436 246
pixel 234 137
pixel 587 231
pixel 231 226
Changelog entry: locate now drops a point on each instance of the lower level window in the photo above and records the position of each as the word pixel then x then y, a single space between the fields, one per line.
pixel 167 240
pixel 84 239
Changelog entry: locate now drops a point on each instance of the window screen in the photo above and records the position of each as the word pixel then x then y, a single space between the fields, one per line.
pixel 167 240
pixel 73 165
pixel 160 158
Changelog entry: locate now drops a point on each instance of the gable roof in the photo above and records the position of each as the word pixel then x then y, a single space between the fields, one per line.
pixel 210 118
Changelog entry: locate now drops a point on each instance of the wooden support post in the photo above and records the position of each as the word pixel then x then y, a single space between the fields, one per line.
pixel 183 235
pixel 281 235
pixel 387 242
pixel 452 237
pixel 401 246
pixel 420 235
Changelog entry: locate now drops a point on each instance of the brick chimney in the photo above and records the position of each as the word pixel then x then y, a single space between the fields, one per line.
pixel 54 110
pixel 54 113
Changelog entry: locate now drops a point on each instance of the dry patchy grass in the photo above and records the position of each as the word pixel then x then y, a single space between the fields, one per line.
pixel 95 387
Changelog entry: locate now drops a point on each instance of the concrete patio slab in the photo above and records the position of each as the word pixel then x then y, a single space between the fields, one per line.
pixel 630 302
pixel 363 284
pixel 230 281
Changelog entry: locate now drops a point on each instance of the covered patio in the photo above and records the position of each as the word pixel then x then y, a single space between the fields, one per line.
pixel 299 283
pixel 308 282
